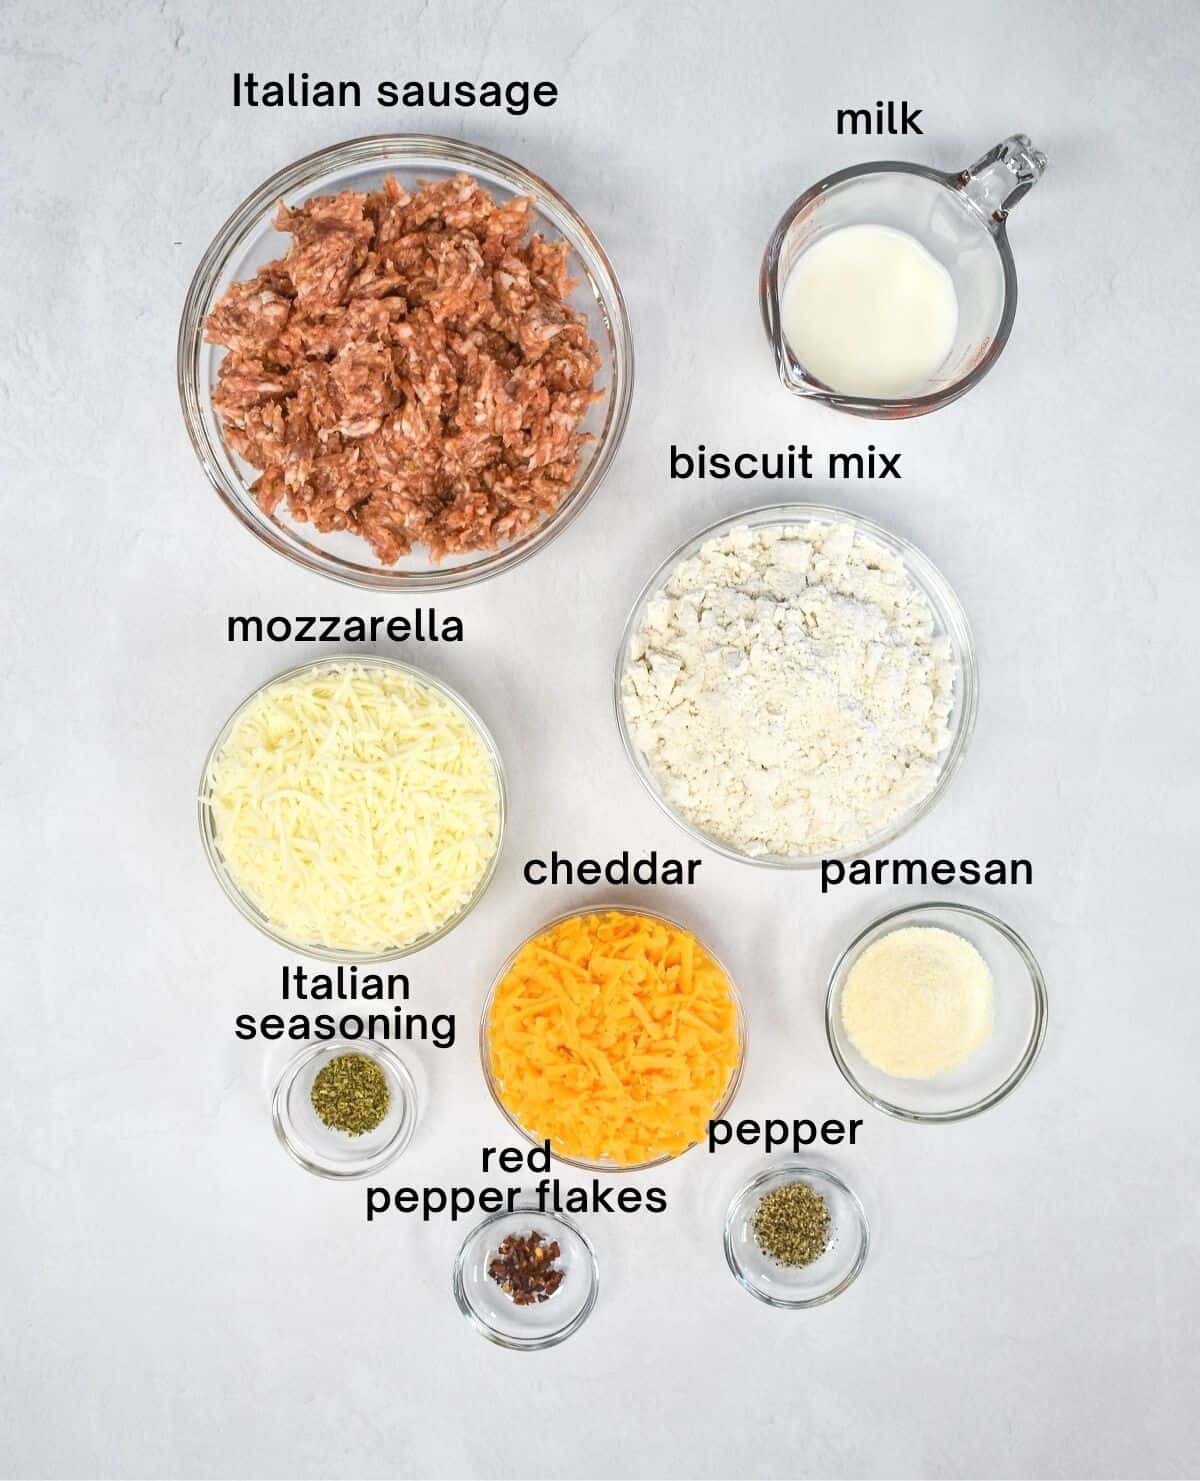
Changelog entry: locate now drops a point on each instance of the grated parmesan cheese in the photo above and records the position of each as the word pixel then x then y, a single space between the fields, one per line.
pixel 356 806
pixel 918 1002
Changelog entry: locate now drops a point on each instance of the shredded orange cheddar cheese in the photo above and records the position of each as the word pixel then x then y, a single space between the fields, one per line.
pixel 614 1035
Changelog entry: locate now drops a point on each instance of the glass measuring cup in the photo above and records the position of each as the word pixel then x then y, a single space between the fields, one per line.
pixel 960 219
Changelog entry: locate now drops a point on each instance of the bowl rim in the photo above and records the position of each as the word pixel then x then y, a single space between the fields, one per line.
pixel 1033 1046
pixel 234 892
pixel 718 1111
pixel 403 149
pixel 395 1066
pixel 938 593
pixel 800 1170
pixel 526 1202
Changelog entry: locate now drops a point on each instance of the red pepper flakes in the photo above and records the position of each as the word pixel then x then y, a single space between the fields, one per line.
pixel 524 1268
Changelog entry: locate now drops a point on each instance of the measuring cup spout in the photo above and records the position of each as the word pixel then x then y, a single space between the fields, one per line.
pixel 1005 174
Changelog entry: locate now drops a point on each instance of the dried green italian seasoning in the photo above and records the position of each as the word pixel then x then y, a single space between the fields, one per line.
pixel 351 1094
pixel 791 1224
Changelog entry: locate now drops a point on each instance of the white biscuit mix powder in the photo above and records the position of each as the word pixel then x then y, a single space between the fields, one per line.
pixel 788 691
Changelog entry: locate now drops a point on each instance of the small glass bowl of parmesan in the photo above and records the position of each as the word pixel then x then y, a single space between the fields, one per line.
pixel 353 809
pixel 936 1012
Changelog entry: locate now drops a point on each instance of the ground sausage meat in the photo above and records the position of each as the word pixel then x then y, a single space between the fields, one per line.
pixel 410 371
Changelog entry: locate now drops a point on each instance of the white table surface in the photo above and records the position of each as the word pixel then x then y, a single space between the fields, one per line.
pixel 176 1297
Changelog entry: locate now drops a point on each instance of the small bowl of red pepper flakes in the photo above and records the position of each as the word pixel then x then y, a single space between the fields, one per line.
pixel 526 1279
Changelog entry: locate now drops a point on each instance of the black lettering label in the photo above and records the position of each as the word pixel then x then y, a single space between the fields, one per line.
pixel 385 1017
pixel 877 871
pixel 888 116
pixel 792 464
pixel 780 1134
pixel 426 625
pixel 300 90
pixel 625 869
pixel 551 1194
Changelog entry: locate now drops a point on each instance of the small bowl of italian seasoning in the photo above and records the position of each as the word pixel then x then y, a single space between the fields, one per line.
pixel 796 1236
pixel 526 1279
pixel 345 1109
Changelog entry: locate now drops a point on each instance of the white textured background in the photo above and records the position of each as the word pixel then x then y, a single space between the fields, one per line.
pixel 176 1298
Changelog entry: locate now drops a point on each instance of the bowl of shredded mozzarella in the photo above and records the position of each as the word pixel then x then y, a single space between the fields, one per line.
pixel 353 809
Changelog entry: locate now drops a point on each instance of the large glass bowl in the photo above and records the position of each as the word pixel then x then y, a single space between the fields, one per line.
pixel 949 620
pixel 529 1133
pixel 242 900
pixel 997 1067
pixel 249 239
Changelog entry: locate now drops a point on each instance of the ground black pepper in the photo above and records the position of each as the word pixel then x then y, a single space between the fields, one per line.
pixel 791 1224
pixel 524 1268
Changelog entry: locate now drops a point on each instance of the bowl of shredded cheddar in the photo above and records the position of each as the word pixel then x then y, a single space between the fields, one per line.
pixel 615 1035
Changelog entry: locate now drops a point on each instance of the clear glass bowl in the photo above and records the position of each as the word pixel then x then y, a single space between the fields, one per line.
pixel 949 619
pixel 608 1166
pixel 233 889
pixel 249 239
pixel 787 1287
pixel 323 1150
pixel 998 1067
pixel 493 1314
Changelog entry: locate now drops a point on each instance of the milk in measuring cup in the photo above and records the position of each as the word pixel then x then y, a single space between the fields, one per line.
pixel 870 312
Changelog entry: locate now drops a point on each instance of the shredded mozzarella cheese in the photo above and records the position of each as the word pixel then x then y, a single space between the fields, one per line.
pixel 357 807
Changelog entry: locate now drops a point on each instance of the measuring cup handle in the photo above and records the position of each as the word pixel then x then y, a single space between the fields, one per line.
pixel 995 183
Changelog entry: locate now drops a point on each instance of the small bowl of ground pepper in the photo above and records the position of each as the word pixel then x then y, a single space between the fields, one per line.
pixel 525 1279
pixel 796 1236
pixel 344 1109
